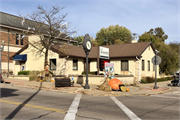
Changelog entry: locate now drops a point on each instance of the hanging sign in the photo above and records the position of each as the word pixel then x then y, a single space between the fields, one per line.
pixel 103 52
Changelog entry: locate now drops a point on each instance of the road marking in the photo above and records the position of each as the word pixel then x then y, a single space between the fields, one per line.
pixel 33 106
pixel 165 96
pixel 128 112
pixel 71 113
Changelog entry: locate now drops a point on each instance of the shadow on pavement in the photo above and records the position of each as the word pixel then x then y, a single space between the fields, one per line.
pixel 10 116
pixel 6 92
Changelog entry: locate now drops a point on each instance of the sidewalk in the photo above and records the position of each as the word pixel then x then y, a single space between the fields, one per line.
pixel 138 90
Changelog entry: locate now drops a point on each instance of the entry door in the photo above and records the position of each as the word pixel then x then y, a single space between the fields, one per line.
pixel 22 65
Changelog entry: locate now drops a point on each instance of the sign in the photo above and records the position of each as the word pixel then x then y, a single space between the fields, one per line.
pixel 157 61
pixel 103 52
pixel 109 70
pixel 102 63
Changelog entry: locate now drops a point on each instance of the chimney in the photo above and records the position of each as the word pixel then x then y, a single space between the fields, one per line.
pixel 134 41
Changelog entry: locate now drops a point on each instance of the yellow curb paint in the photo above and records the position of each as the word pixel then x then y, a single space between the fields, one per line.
pixel 33 106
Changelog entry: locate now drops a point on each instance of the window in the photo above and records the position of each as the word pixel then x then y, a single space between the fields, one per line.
pixel 124 65
pixel 148 65
pixel 143 67
pixel 17 39
pixel 22 40
pixel 75 64
pixel 52 64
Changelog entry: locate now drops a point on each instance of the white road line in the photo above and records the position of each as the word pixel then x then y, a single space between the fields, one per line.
pixel 177 92
pixel 128 112
pixel 71 113
pixel 165 96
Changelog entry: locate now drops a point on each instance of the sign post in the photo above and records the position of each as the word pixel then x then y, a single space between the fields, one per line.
pixel 156 60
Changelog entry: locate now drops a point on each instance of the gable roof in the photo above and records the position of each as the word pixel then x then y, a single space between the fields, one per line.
pixel 115 51
pixel 12 21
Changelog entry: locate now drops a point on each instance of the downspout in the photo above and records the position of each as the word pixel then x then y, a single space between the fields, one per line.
pixel 139 69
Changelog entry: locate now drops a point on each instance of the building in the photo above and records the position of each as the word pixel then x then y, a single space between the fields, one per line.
pixel 11 31
pixel 129 59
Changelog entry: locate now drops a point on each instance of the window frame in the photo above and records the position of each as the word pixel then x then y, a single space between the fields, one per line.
pixel 127 61
pixel 50 67
pixel 143 65
pixel 22 39
pixel 148 65
pixel 17 41
pixel 75 61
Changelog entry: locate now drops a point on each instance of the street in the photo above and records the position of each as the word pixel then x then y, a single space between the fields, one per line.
pixel 27 103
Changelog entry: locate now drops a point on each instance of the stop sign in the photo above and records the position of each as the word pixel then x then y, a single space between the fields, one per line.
pixel 157 61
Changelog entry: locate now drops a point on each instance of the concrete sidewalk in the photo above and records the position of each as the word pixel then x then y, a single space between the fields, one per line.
pixel 138 90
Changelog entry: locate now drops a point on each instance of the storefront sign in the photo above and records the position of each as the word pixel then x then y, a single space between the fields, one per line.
pixel 103 52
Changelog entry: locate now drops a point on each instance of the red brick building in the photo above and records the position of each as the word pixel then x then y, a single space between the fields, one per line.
pixel 11 31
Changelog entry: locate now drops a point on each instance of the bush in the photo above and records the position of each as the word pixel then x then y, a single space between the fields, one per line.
pixel 143 80
pixel 34 74
pixel 151 79
pixel 23 72
pixel 31 78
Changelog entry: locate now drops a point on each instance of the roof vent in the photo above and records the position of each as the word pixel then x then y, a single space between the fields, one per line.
pixel 134 41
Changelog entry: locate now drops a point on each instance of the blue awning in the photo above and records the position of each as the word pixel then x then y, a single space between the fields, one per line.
pixel 20 57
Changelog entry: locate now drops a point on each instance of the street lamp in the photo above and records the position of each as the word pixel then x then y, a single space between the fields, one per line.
pixel 156 52
pixel 1 49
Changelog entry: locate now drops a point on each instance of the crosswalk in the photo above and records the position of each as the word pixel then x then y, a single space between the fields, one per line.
pixel 170 95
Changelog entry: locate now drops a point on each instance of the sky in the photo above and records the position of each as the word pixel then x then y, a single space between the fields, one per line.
pixel 89 16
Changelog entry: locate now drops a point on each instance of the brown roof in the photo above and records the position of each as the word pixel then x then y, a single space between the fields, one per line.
pixel 115 51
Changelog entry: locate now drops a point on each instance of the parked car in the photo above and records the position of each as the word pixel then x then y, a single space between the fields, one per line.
pixel 176 81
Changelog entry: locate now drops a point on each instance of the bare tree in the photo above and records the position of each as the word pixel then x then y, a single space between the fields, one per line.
pixel 50 26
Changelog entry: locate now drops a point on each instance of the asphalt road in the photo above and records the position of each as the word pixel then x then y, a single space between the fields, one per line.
pixel 27 103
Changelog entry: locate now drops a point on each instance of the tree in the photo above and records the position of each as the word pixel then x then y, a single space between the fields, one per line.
pixel 48 25
pixel 81 39
pixel 169 56
pixel 113 35
pixel 168 53
pixel 153 35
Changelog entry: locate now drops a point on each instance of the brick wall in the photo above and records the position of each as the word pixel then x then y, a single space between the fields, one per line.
pixel 12 43
pixel 12 39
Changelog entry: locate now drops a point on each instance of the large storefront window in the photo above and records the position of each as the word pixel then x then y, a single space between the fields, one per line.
pixel 75 64
pixel 124 65
pixel 52 64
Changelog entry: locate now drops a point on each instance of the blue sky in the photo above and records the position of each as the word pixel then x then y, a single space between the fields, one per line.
pixel 89 16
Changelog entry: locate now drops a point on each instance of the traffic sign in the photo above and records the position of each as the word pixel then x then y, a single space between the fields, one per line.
pixel 157 61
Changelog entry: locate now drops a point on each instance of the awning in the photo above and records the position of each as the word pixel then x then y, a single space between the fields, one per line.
pixel 20 58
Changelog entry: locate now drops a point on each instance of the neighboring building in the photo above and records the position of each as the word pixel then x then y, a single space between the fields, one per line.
pixel 11 30
pixel 128 59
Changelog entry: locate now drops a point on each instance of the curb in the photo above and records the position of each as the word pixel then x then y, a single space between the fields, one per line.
pixel 100 93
